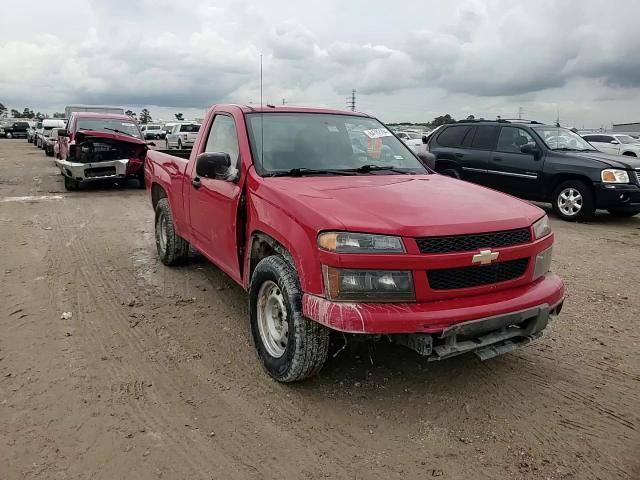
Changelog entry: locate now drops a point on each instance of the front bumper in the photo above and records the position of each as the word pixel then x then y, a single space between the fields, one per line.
pixel 432 317
pixel 617 195
pixel 93 171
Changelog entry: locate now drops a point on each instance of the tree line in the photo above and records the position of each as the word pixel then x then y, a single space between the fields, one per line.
pixel 27 113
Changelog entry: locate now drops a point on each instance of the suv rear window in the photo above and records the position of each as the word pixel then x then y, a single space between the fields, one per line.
pixel 485 137
pixel 453 136
pixel 189 128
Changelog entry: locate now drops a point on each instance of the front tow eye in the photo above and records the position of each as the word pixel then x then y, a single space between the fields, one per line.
pixel 196 183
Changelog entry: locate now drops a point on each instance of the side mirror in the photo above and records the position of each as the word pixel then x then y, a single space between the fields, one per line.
pixel 428 159
pixel 63 132
pixel 615 142
pixel 213 165
pixel 530 149
pixel 424 139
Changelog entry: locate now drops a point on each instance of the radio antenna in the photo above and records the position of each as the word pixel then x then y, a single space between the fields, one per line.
pixel 261 117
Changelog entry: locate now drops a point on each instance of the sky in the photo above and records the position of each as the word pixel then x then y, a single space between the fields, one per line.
pixel 408 61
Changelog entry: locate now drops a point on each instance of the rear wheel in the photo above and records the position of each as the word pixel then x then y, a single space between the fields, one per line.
pixel 452 172
pixel 624 213
pixel 573 201
pixel 172 249
pixel 179 144
pixel 290 346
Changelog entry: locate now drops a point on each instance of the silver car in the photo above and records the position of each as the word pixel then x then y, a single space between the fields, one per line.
pixel 183 135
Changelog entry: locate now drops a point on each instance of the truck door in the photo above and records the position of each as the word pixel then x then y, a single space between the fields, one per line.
pixel 513 171
pixel 213 203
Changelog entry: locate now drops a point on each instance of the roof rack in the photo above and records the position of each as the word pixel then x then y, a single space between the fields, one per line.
pixel 500 120
pixel 521 120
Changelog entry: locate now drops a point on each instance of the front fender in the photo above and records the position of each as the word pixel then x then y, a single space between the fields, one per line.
pixel 300 242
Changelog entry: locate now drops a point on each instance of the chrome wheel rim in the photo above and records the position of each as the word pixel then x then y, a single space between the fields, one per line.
pixel 272 319
pixel 162 232
pixel 570 201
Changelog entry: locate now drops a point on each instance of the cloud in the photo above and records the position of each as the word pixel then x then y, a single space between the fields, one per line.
pixel 168 53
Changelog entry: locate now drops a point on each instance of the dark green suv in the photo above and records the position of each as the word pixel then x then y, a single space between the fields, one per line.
pixel 539 162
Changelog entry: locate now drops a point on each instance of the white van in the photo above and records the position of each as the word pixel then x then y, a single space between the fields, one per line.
pixel 48 124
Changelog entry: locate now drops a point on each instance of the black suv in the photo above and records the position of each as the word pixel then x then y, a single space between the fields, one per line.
pixel 10 129
pixel 539 162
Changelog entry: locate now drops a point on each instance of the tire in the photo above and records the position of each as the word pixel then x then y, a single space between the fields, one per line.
pixel 624 213
pixel 452 172
pixel 629 154
pixel 70 184
pixel 305 346
pixel 140 177
pixel 48 152
pixel 167 142
pixel 573 201
pixel 179 144
pixel 172 249
pixel 9 135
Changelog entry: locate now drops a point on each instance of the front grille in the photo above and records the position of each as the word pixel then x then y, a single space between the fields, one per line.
pixel 638 176
pixel 465 243
pixel 475 276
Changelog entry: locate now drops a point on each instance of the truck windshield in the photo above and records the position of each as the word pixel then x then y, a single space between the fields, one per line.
pixel 313 143
pixel 109 125
pixel 558 138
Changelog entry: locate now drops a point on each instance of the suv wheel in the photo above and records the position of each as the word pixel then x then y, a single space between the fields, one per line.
pixel 452 172
pixel 70 184
pixel 290 346
pixel 573 201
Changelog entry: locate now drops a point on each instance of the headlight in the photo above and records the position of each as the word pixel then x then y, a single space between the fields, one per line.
pixel 541 228
pixel 368 285
pixel 611 175
pixel 346 242
pixel 543 263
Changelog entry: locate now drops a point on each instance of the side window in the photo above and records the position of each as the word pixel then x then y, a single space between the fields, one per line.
pixel 453 136
pixel 223 138
pixel 512 138
pixel 485 137
pixel 607 139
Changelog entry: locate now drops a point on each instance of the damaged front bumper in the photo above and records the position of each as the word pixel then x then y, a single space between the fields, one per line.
pixel 486 337
pixel 83 172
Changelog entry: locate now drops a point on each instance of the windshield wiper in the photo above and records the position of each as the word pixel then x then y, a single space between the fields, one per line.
pixel 376 168
pixel 299 172
pixel 119 131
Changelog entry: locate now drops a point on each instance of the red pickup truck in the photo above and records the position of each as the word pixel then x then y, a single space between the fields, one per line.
pixel 331 223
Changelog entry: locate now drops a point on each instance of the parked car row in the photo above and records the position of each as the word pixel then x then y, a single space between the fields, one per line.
pixel 542 163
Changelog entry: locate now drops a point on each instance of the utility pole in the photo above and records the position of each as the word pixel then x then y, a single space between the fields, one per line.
pixel 520 112
pixel 284 101
pixel 351 101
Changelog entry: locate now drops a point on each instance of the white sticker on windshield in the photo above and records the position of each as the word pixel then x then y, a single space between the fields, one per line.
pixel 127 124
pixel 377 133
pixel 332 128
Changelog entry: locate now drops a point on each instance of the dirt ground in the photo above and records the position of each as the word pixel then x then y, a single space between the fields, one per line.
pixel 154 375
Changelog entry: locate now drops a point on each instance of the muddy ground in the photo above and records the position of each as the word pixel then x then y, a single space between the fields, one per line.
pixel 154 375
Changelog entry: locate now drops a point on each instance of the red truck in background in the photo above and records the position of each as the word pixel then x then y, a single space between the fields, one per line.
pixel 100 146
pixel 332 224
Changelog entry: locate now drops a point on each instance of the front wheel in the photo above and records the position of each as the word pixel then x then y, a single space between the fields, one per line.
pixel 172 249
pixel 624 213
pixel 290 346
pixel 70 184
pixel 573 201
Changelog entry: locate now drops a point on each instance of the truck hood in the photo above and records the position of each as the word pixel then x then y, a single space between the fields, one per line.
pixel 407 205
pixel 614 161
pixel 83 135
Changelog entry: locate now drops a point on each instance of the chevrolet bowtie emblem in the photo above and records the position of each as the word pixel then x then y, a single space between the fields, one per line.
pixel 485 257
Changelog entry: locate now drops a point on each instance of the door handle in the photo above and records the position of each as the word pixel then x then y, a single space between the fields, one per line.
pixel 459 155
pixel 196 183
pixel 497 159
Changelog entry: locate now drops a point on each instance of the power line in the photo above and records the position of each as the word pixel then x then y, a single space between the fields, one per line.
pixel 351 101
